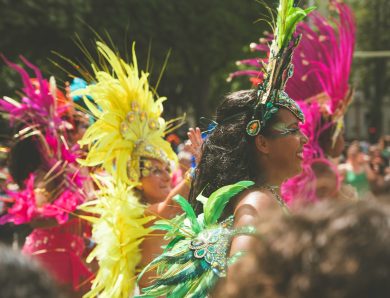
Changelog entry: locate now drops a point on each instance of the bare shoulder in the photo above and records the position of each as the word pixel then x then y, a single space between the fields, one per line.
pixel 251 204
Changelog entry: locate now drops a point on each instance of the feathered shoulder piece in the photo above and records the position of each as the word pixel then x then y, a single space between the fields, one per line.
pixel 278 69
pixel 128 118
pixel 197 255
pixel 118 229
pixel 39 115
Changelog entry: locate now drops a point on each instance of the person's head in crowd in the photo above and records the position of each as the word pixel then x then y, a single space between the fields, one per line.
pixel 377 161
pixel 25 157
pixel 330 250
pixel 230 154
pixel 155 180
pixel 20 277
pixel 327 181
pixel 355 153
pixel 384 143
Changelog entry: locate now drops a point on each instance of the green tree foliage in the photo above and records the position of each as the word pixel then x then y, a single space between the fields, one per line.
pixel 205 38
pixel 372 75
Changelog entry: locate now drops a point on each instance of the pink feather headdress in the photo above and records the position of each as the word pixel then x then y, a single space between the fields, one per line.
pixel 40 113
pixel 322 61
pixel 322 64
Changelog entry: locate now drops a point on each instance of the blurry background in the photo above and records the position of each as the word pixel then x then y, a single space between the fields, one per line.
pixel 205 37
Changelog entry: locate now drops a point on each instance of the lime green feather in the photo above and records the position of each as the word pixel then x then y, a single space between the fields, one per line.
pixel 288 18
pixel 189 211
pixel 162 225
pixel 218 200
pixel 205 284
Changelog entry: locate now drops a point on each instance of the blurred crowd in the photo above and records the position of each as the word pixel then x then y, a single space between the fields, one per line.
pixel 330 249
pixel 367 167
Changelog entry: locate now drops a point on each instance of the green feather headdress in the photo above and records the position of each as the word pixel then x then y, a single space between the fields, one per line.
pixel 271 94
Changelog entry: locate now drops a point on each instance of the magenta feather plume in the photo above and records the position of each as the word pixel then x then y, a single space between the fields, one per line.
pixel 38 106
pixel 24 207
pixel 322 64
pixel 41 116
pixel 323 59
pixel 303 186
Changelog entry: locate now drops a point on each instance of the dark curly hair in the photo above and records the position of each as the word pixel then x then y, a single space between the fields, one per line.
pixel 21 277
pixel 329 250
pixel 24 158
pixel 228 154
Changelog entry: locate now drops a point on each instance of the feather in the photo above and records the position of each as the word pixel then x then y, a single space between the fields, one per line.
pixel 197 254
pixel 118 229
pixel 205 285
pixel 128 118
pixel 189 211
pixel 288 17
pixel 218 200
pixel 40 115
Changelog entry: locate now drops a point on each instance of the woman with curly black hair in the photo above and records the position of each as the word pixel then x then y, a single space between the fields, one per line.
pixel 255 146
pixel 230 155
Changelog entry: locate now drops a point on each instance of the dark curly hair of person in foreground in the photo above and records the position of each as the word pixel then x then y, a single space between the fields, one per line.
pixel 329 250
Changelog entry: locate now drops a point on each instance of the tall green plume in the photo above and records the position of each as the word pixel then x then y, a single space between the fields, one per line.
pixel 289 15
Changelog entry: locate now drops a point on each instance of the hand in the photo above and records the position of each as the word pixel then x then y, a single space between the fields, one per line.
pixel 194 144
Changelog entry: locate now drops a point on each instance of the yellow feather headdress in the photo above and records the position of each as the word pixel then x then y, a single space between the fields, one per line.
pixel 129 123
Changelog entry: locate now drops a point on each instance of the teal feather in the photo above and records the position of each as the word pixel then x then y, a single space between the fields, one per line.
pixel 159 260
pixel 172 243
pixel 184 258
pixel 218 200
pixel 193 270
pixel 155 291
pixel 181 245
pixel 189 211
pixel 205 285
pixel 180 290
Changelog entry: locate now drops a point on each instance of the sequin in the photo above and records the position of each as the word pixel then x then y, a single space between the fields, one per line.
pixel 124 128
pixel 212 245
pixel 130 117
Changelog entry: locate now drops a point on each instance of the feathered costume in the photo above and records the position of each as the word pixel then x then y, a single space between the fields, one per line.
pixel 129 124
pixel 40 113
pixel 322 64
pixel 128 128
pixel 55 189
pixel 118 229
pixel 197 255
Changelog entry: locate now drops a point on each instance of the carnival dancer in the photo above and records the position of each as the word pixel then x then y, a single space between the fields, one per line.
pixel 127 141
pixel 322 65
pixel 42 163
pixel 256 145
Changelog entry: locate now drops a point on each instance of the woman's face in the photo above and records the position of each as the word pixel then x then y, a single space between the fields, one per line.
pixel 156 181
pixel 286 143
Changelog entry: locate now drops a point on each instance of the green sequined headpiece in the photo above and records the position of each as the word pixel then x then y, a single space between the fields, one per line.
pixel 271 94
